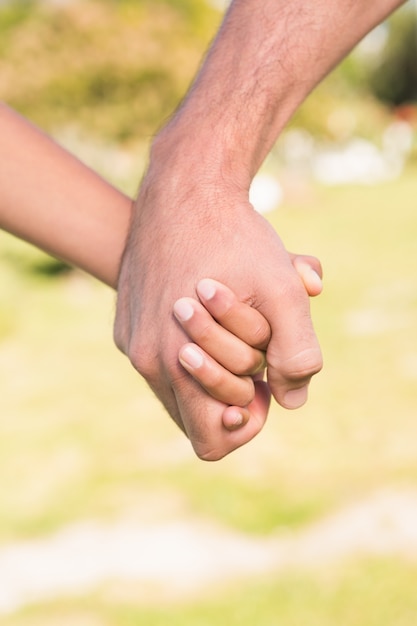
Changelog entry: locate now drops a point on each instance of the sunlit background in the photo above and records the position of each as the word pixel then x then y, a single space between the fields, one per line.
pixel 106 516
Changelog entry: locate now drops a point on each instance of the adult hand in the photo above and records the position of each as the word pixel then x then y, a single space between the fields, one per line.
pixel 193 219
pixel 192 225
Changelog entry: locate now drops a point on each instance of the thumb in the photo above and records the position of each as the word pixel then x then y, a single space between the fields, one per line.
pixel 310 271
pixel 293 354
pixel 256 412
pixel 203 417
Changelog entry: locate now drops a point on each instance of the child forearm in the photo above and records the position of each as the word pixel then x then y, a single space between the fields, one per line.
pixel 49 198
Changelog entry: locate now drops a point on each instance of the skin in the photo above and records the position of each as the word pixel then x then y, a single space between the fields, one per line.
pixel 49 198
pixel 234 358
pixel 192 218
pixel 237 343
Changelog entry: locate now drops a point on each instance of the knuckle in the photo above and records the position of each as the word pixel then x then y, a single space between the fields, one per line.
pixel 178 376
pixel 246 392
pixel 204 334
pixel 302 366
pixel 144 358
pixel 206 453
pixel 119 338
pixel 293 290
pixel 260 335
pixel 245 364
pixel 250 364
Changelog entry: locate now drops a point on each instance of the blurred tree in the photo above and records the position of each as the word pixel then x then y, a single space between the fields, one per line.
pixel 394 79
pixel 116 68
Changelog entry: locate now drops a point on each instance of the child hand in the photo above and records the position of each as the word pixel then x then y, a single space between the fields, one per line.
pixel 230 338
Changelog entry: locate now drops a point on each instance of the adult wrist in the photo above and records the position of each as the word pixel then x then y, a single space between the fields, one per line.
pixel 201 152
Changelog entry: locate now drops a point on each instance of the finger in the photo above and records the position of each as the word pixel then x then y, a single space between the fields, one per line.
pixel 307 259
pixel 239 318
pixel 202 417
pixel 293 354
pixel 216 380
pixel 223 346
pixel 235 417
pixel 310 271
pixel 160 382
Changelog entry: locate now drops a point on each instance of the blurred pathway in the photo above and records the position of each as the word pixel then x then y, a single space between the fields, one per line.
pixel 186 556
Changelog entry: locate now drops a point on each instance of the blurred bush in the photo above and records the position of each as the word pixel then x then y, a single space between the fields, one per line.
pixel 108 73
pixel 393 79
pixel 116 67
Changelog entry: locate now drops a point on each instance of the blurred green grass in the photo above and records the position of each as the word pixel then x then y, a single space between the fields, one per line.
pixel 82 437
pixel 78 421
pixel 127 63
pixel 363 593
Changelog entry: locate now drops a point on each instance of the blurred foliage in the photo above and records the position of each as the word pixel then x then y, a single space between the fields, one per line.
pixel 82 436
pixel 367 84
pixel 112 70
pixel 118 68
pixel 393 79
pixel 107 73
pixel 24 258
pixel 338 110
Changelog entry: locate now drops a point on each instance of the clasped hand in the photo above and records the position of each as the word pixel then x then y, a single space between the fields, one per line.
pixel 183 232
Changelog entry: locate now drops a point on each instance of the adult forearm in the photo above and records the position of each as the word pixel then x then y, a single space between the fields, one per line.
pixel 49 198
pixel 266 59
pixel 193 218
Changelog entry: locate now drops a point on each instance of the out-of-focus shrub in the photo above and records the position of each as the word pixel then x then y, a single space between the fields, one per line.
pixel 393 79
pixel 115 68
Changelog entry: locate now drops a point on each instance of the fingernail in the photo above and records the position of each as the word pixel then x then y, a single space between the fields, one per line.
pixel 316 279
pixel 295 398
pixel 183 310
pixel 236 419
pixel 206 288
pixel 191 357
